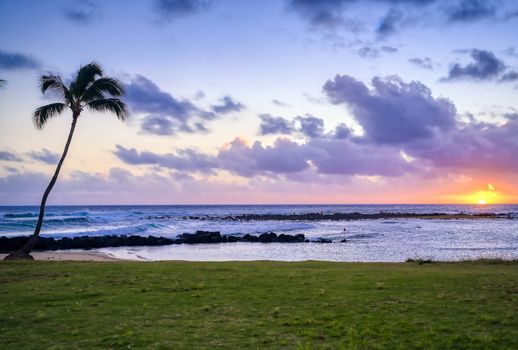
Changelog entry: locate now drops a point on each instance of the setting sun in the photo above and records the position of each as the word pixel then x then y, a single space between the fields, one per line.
pixel 488 196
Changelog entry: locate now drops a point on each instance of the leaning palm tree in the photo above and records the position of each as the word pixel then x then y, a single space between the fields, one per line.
pixel 89 90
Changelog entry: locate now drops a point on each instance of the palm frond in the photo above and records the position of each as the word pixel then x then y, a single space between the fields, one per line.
pixel 102 86
pixel 44 113
pixel 85 76
pixel 54 83
pixel 113 105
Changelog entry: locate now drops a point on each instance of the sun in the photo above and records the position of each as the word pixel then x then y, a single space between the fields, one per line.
pixel 482 202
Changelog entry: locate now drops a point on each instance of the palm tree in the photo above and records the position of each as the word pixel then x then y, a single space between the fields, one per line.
pixel 2 82
pixel 89 90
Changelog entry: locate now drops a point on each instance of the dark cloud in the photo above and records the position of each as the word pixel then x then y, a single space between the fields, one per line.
pixel 471 10
pixel 311 126
pixel 82 11
pixel 17 61
pixel 185 160
pixel 279 103
pixel 171 10
pixel 425 62
pixel 45 156
pixel 390 23
pixel 342 131
pixel 486 66
pixel 323 13
pixel 474 147
pixel 374 52
pixel 9 156
pixel 331 13
pixel 146 97
pixel 405 116
pixel 283 157
pixel 344 157
pixel 165 114
pixel 511 51
pixel 368 52
pixel 341 14
pixel 159 125
pixel 509 77
pixel 271 125
pixel 227 105
pixel 392 111
pixel 326 156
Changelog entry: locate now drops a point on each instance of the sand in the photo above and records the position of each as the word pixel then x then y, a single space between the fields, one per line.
pixel 70 256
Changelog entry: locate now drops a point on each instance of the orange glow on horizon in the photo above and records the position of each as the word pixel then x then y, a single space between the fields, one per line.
pixel 489 196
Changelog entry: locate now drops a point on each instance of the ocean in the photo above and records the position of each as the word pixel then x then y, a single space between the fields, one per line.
pixel 383 240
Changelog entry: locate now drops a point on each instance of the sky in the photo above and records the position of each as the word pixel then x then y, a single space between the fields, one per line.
pixel 269 102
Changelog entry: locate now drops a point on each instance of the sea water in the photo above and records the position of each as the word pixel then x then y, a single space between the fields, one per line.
pixel 367 240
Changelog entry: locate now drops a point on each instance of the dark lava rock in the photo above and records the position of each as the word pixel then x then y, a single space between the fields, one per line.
pixel 268 237
pixel 249 238
pixel 323 240
pixel 202 237
pixel 9 244
pixel 299 238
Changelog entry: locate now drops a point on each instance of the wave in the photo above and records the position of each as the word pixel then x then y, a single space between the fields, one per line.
pixel 20 215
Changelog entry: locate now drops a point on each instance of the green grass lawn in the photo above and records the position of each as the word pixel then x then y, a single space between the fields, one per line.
pixel 308 305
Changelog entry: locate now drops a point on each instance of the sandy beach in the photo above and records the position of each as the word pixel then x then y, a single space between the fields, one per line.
pixel 70 256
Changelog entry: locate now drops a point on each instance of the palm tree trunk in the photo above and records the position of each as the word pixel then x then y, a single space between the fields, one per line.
pixel 23 252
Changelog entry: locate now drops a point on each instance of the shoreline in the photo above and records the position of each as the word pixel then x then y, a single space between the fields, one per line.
pixel 71 256
pixel 97 256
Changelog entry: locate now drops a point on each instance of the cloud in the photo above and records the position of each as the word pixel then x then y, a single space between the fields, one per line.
pixel 271 125
pixel 390 23
pixel 324 155
pixel 45 156
pixel 311 126
pixel 172 10
pixel 9 156
pixel 342 131
pixel 82 11
pixel 17 61
pixel 486 66
pixel 511 51
pixel 165 114
pixel 283 157
pixel 405 116
pixel 280 103
pixel 425 63
pixel 185 160
pixel 474 147
pixel 373 52
pixel 227 105
pixel 509 77
pixel 327 13
pixel 471 10
pixel 358 15
pixel 392 111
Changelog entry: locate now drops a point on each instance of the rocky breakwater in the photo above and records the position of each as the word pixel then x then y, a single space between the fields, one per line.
pixel 8 244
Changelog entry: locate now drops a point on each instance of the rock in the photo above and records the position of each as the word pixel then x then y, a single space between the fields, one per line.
pixel 282 238
pixel 249 238
pixel 323 240
pixel 268 237
pixel 202 237
pixel 232 239
pixel 10 244
pixel 343 240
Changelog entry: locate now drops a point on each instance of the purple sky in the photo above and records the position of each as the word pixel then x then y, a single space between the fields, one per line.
pixel 301 101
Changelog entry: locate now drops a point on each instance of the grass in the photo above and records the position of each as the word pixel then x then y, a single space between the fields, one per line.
pixel 269 305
